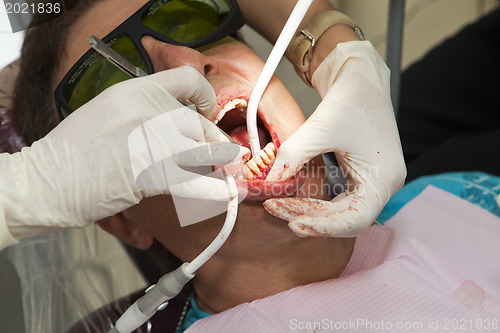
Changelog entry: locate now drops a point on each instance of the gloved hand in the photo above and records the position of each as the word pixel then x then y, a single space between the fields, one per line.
pixel 87 167
pixel 355 120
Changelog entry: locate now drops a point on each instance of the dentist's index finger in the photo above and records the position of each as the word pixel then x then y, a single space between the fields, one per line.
pixel 186 83
pixel 345 216
pixel 289 208
pixel 324 226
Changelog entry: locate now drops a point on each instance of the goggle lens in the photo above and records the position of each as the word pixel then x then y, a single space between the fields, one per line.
pixel 194 23
pixel 100 74
pixel 187 21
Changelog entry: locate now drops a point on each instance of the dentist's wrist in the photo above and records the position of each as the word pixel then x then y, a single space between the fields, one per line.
pixel 335 35
pixel 321 36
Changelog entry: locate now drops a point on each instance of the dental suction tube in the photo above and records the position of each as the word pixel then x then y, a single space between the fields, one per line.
pixel 272 62
pixel 171 284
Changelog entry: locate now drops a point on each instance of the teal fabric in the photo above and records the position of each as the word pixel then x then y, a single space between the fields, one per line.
pixel 193 314
pixel 478 188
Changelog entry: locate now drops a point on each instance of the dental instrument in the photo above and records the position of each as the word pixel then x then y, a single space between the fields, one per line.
pixel 119 61
pixel 171 284
pixel 272 62
pixel 114 57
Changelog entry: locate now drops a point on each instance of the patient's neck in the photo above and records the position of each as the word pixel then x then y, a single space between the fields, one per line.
pixel 230 280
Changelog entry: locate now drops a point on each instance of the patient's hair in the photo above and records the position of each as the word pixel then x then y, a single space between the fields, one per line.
pixel 41 52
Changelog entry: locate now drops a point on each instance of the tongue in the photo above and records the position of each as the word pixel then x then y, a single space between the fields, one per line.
pixel 240 135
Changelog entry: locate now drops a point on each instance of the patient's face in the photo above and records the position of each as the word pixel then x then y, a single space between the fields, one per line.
pixel 232 69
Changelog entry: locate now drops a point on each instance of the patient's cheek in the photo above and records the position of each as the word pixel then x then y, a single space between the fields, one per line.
pixel 105 224
pixel 126 230
pixel 155 215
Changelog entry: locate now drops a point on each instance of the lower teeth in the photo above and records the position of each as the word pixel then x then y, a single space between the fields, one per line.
pixel 265 159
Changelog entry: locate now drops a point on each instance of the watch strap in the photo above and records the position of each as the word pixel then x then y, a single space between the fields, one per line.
pixel 301 50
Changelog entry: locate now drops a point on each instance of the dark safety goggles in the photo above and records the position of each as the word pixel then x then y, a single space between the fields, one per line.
pixel 191 23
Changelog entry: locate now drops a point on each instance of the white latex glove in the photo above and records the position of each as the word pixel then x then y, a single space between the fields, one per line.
pixel 355 120
pixel 82 170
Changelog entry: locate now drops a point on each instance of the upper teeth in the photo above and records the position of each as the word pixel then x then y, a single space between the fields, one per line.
pixel 239 103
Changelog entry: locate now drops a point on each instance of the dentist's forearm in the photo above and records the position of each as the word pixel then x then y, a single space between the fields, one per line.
pixel 270 22
pixel 268 17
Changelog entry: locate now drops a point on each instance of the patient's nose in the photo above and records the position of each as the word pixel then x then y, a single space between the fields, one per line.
pixel 167 56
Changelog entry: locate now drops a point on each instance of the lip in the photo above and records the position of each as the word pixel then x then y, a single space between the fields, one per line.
pixel 226 97
pixel 260 190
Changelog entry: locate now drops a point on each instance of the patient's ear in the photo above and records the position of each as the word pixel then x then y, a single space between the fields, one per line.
pixel 128 231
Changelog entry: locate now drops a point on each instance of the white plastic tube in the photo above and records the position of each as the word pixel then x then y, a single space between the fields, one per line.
pixel 272 62
pixel 146 306
pixel 232 212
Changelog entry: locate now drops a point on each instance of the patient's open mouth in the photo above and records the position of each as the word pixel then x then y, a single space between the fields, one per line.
pixel 252 176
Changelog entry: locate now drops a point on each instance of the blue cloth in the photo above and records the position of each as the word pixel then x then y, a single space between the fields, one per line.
pixel 193 314
pixel 479 188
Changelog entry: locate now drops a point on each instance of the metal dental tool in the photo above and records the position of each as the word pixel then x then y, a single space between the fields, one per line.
pixel 272 62
pixel 126 66
pixel 119 61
